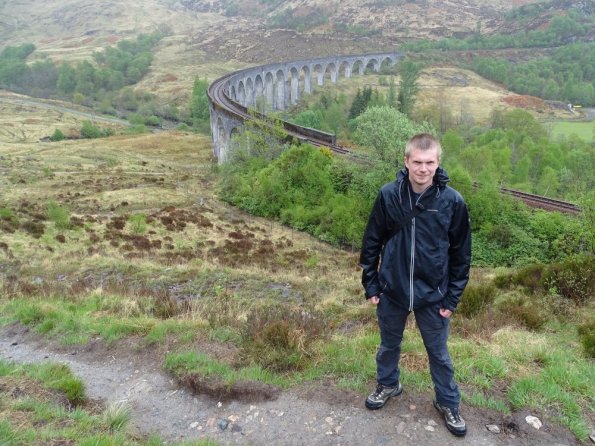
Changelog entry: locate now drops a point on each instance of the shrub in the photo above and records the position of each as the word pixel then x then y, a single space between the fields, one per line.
pixel 573 278
pixel 475 298
pixel 88 130
pixel 281 339
pixel 35 228
pixel 586 333
pixel 503 280
pixel 138 223
pixel 91 131
pixel 526 310
pixel 529 277
pixel 59 215
pixel 9 222
pixel 58 135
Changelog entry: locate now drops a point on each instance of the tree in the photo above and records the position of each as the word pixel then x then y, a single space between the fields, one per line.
pixel 360 102
pixel 386 131
pixel 391 99
pixel 409 72
pixel 199 104
pixel 309 118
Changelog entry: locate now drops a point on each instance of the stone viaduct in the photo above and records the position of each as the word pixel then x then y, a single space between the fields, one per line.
pixel 277 86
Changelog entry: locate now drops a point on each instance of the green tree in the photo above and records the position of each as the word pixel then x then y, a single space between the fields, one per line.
pixel 20 52
pixel 309 118
pixel 199 104
pixel 66 79
pixel 392 96
pixel 386 131
pixel 408 88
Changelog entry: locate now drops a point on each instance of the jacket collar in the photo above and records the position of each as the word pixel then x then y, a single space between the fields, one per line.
pixel 439 181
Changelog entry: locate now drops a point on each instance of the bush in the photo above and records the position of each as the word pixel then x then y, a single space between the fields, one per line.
pixel 59 215
pixel 527 311
pixel 281 339
pixel 58 135
pixel 529 277
pixel 138 223
pixel 91 131
pixel 88 130
pixel 573 278
pixel 475 298
pixel 586 333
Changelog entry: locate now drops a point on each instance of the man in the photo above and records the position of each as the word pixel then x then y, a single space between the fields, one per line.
pixel 415 257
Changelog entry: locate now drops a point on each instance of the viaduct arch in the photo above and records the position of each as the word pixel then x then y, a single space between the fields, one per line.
pixel 277 86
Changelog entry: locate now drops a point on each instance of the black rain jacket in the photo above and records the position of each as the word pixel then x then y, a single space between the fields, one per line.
pixel 428 260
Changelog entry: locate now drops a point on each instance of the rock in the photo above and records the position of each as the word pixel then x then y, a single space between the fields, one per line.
pixel 592 437
pixel 401 427
pixel 493 428
pixel 412 407
pixel 432 423
pixel 222 424
pixel 194 425
pixel 533 421
pixel 429 428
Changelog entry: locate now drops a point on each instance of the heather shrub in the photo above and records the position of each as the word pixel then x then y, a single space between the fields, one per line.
pixel 475 298
pixel 573 279
pixel 280 338
pixel 586 334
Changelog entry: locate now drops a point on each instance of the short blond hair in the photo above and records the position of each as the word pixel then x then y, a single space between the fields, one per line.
pixel 423 141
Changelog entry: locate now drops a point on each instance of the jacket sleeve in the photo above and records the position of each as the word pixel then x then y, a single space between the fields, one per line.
pixel 459 253
pixel 372 244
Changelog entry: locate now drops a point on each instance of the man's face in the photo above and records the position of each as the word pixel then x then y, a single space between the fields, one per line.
pixel 422 165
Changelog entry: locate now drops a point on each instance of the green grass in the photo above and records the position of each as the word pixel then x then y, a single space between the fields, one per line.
pixel 76 323
pixel 192 362
pixel 34 416
pixel 584 130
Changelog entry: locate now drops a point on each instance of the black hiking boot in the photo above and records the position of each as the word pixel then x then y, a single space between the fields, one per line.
pixel 378 398
pixel 454 422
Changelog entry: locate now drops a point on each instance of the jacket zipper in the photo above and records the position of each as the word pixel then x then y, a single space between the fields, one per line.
pixel 412 262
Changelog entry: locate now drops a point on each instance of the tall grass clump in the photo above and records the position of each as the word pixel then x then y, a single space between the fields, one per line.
pixel 59 215
pixel 138 223
pixel 117 415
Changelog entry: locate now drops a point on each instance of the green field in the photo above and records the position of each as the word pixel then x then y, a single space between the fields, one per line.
pixel 584 130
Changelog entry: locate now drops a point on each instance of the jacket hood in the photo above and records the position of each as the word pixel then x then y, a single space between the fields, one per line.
pixel 440 180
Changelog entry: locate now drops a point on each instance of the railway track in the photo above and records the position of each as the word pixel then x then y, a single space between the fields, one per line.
pixel 219 98
pixel 538 201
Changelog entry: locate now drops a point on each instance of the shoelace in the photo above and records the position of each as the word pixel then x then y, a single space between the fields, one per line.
pixel 453 417
pixel 379 391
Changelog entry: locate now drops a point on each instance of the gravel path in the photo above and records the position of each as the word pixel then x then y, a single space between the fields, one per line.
pixel 297 417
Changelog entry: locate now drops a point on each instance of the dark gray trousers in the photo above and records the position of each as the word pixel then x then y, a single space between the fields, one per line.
pixel 434 332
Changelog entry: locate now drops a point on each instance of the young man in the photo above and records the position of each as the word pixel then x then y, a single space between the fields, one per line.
pixel 415 257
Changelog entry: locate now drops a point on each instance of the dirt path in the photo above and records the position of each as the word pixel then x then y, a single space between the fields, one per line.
pixel 303 416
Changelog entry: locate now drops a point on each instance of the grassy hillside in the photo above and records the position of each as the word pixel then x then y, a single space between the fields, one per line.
pixel 123 241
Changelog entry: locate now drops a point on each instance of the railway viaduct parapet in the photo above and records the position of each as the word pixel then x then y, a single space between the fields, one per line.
pixel 277 86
